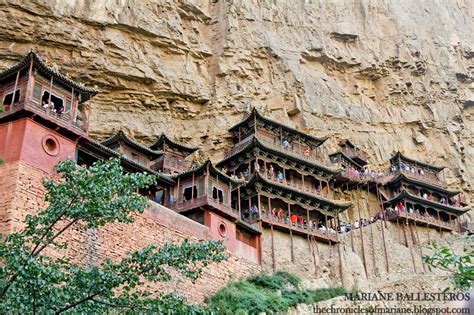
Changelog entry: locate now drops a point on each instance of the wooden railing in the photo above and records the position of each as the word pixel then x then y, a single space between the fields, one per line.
pixel 423 219
pixel 200 201
pixel 291 150
pixel 427 177
pixel 325 235
pixel 64 120
pixel 305 188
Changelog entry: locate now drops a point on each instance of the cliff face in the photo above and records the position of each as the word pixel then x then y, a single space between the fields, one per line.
pixel 388 75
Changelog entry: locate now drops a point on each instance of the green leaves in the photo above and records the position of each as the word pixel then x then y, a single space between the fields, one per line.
pixel 93 197
pixel 459 267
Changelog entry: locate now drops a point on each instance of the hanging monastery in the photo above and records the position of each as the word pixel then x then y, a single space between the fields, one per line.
pixel 273 181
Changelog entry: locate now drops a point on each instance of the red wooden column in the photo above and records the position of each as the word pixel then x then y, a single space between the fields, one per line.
pixel 29 85
pixel 341 273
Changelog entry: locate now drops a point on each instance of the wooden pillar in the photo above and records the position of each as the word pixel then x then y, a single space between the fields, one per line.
pixel 192 188
pixel 439 223
pixel 341 273
pixel 362 245
pixel 327 233
pixel 420 247
pixel 273 248
pixel 206 181
pixel 50 90
pixel 14 89
pixel 383 228
pixel 30 84
pixel 291 232
pixel 229 198
pixel 309 228
pixel 238 203
pixel 411 252
pixel 259 204
pixel 176 201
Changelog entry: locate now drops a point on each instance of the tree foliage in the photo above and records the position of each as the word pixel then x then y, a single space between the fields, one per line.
pixel 84 198
pixel 460 268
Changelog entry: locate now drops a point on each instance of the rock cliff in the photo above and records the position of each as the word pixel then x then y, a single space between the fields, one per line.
pixel 389 75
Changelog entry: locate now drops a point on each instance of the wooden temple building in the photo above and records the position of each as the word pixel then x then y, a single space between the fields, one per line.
pixel 286 181
pixel 418 194
pixel 274 177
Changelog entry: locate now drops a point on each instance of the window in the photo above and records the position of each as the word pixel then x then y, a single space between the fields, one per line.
pixel 188 193
pixel 9 97
pixel 135 157
pixel 217 194
pixel 57 101
pixel 159 196
pixel 37 91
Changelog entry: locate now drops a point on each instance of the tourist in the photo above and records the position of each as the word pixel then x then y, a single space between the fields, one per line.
pixel 425 196
pixel 254 211
pixel 271 172
pixel 299 219
pixel 274 212
pixel 287 219
pixel 430 197
pixel 443 200
pixel 257 167
pixel 293 218
pixel 280 176
pixel 306 152
pixel 246 173
pixel 422 173
pixel 286 144
pixel 280 214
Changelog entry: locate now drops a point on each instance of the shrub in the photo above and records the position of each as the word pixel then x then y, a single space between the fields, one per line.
pixel 266 293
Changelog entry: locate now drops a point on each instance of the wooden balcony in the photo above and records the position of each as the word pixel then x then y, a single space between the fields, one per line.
pixel 64 120
pixel 203 201
pixel 279 223
pixel 421 220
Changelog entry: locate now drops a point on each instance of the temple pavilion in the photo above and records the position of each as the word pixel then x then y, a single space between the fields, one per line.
pixel 418 194
pixel 287 183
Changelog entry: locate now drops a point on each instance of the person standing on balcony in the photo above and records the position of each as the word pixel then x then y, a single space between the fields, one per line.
pixel 293 218
pixel 254 211
pixel 271 172
pixel 286 144
pixel 306 152
pixel 299 219
pixel 280 214
pixel 280 176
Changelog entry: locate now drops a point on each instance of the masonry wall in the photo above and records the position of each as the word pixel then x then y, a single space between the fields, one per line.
pixel 22 193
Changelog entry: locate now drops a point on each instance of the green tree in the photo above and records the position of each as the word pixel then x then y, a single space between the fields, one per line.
pixel 459 268
pixel 32 281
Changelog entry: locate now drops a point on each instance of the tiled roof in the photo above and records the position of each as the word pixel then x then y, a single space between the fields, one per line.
pixel 404 158
pixel 42 67
pixel 164 139
pixel 121 136
pixel 260 117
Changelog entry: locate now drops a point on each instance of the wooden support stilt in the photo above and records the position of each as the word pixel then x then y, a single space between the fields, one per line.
pixel 409 246
pixel 317 258
pixel 373 250
pixel 429 239
pixel 291 233
pixel 341 273
pixel 362 245
pixel 273 249
pixel 383 233
pixel 420 247
pixel 352 240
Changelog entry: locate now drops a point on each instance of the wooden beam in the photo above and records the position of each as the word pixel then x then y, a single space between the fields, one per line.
pixel 362 244
pixel 291 232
